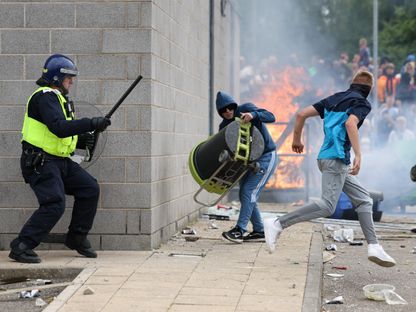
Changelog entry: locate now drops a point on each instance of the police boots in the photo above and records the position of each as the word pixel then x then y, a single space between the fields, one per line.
pixel 22 253
pixel 81 244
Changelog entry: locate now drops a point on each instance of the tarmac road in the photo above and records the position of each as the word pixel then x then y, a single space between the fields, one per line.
pixel 361 272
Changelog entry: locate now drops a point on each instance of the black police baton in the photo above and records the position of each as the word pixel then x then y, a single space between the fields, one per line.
pixel 90 152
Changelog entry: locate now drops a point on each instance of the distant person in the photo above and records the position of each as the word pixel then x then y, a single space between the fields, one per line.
pixel 342 69
pixel 411 58
pixel 364 53
pixel 385 126
pixel 406 88
pixel 343 113
pixel 354 64
pixel 401 133
pixel 387 83
pixel 252 183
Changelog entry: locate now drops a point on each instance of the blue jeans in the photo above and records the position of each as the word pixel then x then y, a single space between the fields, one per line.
pixel 250 188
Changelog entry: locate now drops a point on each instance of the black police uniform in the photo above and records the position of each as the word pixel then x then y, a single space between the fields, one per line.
pixel 52 177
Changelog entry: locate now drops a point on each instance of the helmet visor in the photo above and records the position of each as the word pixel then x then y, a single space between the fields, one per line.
pixel 69 71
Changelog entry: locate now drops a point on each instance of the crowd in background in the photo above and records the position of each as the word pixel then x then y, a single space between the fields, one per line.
pixel 392 118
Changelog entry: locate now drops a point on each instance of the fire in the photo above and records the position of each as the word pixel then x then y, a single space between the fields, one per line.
pixel 279 97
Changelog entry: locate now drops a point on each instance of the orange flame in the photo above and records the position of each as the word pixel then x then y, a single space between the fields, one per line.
pixel 279 97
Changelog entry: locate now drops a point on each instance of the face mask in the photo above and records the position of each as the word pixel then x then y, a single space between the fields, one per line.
pixel 364 89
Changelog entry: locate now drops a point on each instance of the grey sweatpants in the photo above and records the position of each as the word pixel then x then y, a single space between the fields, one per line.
pixel 335 179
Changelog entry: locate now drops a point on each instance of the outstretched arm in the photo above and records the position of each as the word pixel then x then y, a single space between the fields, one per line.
pixel 249 112
pixel 352 129
pixel 301 116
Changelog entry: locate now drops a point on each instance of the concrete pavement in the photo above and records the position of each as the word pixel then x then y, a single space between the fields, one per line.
pixel 206 275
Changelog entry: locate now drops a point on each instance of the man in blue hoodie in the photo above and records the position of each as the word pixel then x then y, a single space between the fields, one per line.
pixel 252 183
pixel 343 114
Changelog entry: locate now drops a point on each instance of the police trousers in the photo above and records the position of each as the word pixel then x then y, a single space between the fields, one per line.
pixel 50 181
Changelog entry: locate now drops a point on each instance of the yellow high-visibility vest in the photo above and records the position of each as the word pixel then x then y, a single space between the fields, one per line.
pixel 38 134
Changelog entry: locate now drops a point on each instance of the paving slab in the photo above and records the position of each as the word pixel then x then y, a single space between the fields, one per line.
pixel 206 275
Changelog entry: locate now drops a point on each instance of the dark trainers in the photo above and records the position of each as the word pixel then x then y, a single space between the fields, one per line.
pixel 234 235
pixel 254 237
pixel 81 244
pixel 22 253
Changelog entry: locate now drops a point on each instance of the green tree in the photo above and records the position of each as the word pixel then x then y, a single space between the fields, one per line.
pixel 398 35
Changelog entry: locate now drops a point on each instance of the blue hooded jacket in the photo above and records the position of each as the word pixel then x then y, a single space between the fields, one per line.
pixel 335 111
pixel 260 116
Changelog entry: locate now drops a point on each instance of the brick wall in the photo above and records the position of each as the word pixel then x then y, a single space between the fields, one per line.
pixel 146 188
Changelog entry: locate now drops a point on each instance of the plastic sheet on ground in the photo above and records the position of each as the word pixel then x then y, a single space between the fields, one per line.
pixel 29 293
pixel 383 292
pixel 343 235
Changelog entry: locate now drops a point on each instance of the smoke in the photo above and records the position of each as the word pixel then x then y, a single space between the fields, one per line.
pixel 388 170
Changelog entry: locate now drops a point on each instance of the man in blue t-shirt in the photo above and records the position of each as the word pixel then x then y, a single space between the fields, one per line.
pixel 343 114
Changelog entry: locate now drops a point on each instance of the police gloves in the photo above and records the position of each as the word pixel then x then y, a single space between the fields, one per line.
pixel 100 123
pixel 86 140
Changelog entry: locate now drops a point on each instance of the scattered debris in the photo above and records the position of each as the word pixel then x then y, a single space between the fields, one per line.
pixel 353 223
pixel 29 293
pixel 375 291
pixel 327 256
pixel 413 230
pixel 188 231
pixel 88 291
pixel 357 243
pixel 331 227
pixel 221 212
pixel 217 217
pixel 173 254
pixel 191 238
pixel 212 225
pixel 335 275
pixel 343 235
pixel 393 298
pixel 224 207
pixel 19 290
pixel 40 281
pixel 336 300
pixel 339 267
pixel 40 302
pixel 293 286
pixel 331 247
pixel 383 292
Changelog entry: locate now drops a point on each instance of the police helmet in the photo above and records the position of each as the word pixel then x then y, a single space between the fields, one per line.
pixel 56 67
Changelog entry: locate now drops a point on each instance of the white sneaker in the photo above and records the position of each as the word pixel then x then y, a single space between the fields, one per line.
pixel 377 255
pixel 272 230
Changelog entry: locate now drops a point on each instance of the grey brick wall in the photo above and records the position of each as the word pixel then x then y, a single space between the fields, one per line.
pixel 146 187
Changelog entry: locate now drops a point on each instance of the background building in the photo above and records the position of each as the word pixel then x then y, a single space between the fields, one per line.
pixel 183 55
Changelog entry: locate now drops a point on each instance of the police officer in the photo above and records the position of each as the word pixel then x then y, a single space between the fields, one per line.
pixel 50 135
